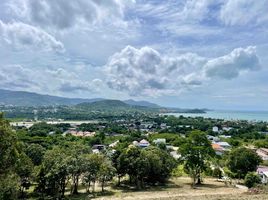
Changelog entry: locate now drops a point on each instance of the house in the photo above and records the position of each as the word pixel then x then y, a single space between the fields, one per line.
pixel 144 143
pixel 159 141
pixel 224 145
pixel 263 153
pixel 218 149
pixel 226 128
pixel 213 138
pixel 263 173
pixel 163 126
pixel 175 155
pixel 98 147
pixel 114 144
pixel 221 147
pixel 226 136
pixel 135 143
pixel 215 129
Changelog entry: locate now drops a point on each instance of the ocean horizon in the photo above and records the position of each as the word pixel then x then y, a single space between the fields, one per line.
pixel 229 115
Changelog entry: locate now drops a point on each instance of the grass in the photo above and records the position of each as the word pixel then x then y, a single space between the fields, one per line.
pixel 179 188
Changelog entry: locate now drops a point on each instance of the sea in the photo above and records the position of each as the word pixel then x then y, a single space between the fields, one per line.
pixel 229 115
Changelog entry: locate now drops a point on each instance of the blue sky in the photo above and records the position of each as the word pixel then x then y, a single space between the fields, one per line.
pixel 183 53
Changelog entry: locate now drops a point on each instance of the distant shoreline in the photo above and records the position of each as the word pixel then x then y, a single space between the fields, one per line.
pixel 228 115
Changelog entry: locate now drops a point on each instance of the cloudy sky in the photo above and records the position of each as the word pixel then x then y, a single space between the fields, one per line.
pixel 183 53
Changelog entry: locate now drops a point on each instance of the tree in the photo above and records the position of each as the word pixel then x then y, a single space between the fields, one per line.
pixel 160 165
pixel 75 165
pixel 24 169
pixel 134 165
pixel 149 165
pixel 106 172
pixel 242 160
pixel 252 179
pixel 196 152
pixel 53 173
pixel 36 153
pixel 92 165
pixel 8 157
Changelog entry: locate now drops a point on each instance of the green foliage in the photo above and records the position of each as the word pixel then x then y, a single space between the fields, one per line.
pixel 43 129
pixel 8 147
pixel 252 179
pixel 9 186
pixel 8 158
pixel 106 172
pixel 178 171
pixel 173 139
pixel 196 152
pixel 36 153
pixel 149 165
pixel 24 168
pixel 242 160
pixel 53 173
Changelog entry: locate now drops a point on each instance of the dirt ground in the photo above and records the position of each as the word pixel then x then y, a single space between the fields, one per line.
pixel 181 189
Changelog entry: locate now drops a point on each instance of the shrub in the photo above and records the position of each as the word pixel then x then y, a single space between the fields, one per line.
pixel 252 179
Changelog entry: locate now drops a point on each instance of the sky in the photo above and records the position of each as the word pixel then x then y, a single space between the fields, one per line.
pixel 179 53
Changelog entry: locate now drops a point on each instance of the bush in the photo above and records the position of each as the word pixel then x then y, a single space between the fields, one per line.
pixel 252 179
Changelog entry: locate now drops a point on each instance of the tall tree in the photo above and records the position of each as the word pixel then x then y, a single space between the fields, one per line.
pixel 92 164
pixel 242 160
pixel 106 172
pixel 54 169
pixel 36 153
pixel 24 168
pixel 196 152
pixel 75 164
pixel 8 157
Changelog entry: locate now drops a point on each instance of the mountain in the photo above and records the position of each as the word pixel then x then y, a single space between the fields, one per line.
pixel 141 103
pixel 103 104
pixel 113 106
pixel 21 98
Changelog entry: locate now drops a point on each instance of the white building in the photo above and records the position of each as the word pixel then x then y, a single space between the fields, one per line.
pixel 215 129
pixel 159 141
pixel 263 153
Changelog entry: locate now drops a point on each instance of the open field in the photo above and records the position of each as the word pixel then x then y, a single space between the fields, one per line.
pixel 181 189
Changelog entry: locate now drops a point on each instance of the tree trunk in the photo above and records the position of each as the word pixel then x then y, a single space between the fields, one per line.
pixel 119 181
pixel 88 187
pixel 199 180
pixel 75 185
pixel 93 187
pixel 102 185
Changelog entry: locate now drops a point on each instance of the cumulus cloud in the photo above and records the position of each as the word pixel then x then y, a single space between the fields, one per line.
pixel 241 12
pixel 231 65
pixel 74 86
pixel 18 77
pixel 22 35
pixel 146 71
pixel 62 14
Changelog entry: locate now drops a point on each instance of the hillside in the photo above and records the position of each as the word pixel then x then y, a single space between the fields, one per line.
pixel 21 98
pixel 113 105
pixel 141 103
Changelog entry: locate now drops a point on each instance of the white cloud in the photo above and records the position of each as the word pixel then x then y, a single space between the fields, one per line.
pixel 17 77
pixel 145 71
pixel 22 35
pixel 231 65
pixel 244 12
pixel 63 14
